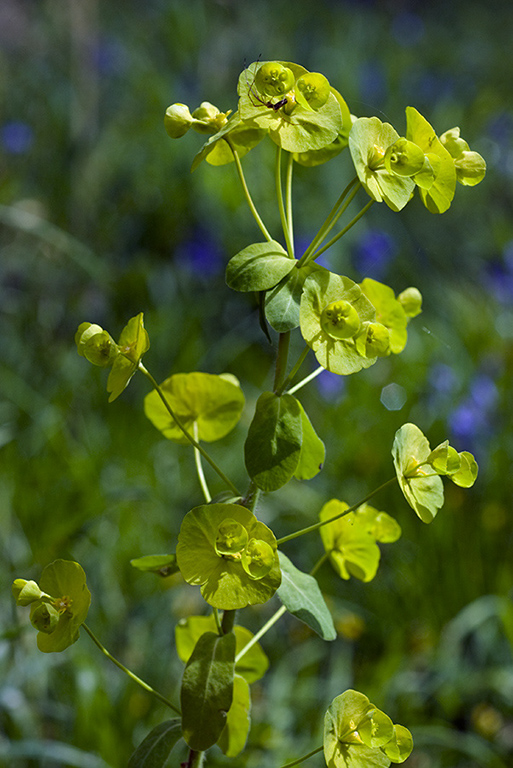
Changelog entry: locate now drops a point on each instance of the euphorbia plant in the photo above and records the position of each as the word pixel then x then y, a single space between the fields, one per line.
pixel 223 547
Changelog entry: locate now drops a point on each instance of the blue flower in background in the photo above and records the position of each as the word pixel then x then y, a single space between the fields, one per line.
pixel 201 255
pixel 373 253
pixel 373 83
pixel 331 386
pixel 498 275
pixel 17 137
pixel 471 421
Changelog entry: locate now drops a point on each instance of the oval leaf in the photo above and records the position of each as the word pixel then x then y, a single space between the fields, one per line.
pixel 163 565
pixel 300 594
pixel 258 267
pixel 273 444
pixel 154 751
pixel 313 451
pixel 235 733
pixel 213 403
pixel 207 689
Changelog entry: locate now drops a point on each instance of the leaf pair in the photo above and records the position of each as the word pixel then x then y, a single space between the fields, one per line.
pixel 281 443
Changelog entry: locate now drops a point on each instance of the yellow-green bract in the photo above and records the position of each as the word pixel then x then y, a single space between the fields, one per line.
pixel 359 735
pixel 227 582
pixel 422 488
pixel 206 404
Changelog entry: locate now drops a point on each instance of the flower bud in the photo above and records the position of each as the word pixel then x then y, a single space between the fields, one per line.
pixel 470 168
pixel 453 143
pixel 44 617
pixel 257 558
pixel 411 301
pixel 340 320
pixel 96 345
pixel 208 119
pixel 26 592
pixel 274 79
pixel 404 158
pixel 231 537
pixel 177 120
pixel 314 88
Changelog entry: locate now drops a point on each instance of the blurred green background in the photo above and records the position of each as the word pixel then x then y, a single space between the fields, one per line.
pixel 100 219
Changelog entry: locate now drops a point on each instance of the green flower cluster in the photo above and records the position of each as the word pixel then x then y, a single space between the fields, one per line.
pixel 97 346
pixel 358 735
pixel 419 468
pixel 58 604
pixel 230 554
pixel 390 167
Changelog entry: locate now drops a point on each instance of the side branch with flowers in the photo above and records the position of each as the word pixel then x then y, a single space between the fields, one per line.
pixel 223 548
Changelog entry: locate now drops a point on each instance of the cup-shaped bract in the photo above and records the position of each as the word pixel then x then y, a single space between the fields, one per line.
pixel 96 345
pixel 274 79
pixel 369 140
pixel 232 537
pixel 314 157
pixel 26 592
pixel 133 343
pixel 422 488
pixel 62 607
pixel 207 404
pixel 389 311
pixel 373 340
pixel 470 166
pixel 292 126
pixel 351 547
pixel 177 120
pixel 466 474
pixel 322 290
pixel 380 525
pixel 313 90
pixel 224 581
pixel 404 158
pixel 437 187
pixel 400 745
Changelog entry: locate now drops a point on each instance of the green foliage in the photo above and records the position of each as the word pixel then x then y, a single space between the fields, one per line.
pixel 258 267
pixel 301 596
pixel 154 751
pixel 208 406
pixel 207 689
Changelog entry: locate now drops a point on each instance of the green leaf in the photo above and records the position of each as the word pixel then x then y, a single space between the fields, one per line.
pixel 213 403
pixel 235 733
pixel 422 490
pixel 282 302
pixel 154 751
pixel 243 135
pixel 300 594
pixel 258 267
pixel 64 580
pixel 207 689
pixel 273 444
pixel 224 582
pixel 252 666
pixel 164 565
pixel 313 451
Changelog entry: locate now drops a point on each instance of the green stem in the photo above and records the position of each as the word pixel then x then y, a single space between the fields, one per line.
pixel 261 632
pixel 301 759
pixel 288 197
pixel 130 674
pixel 285 222
pixel 199 468
pixel 281 361
pixel 250 500
pixel 217 621
pixel 343 231
pixel 306 380
pixel 195 759
pixel 228 621
pixel 326 226
pixel 249 200
pixel 294 370
pixel 318 525
pixel 189 437
pixel 319 563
